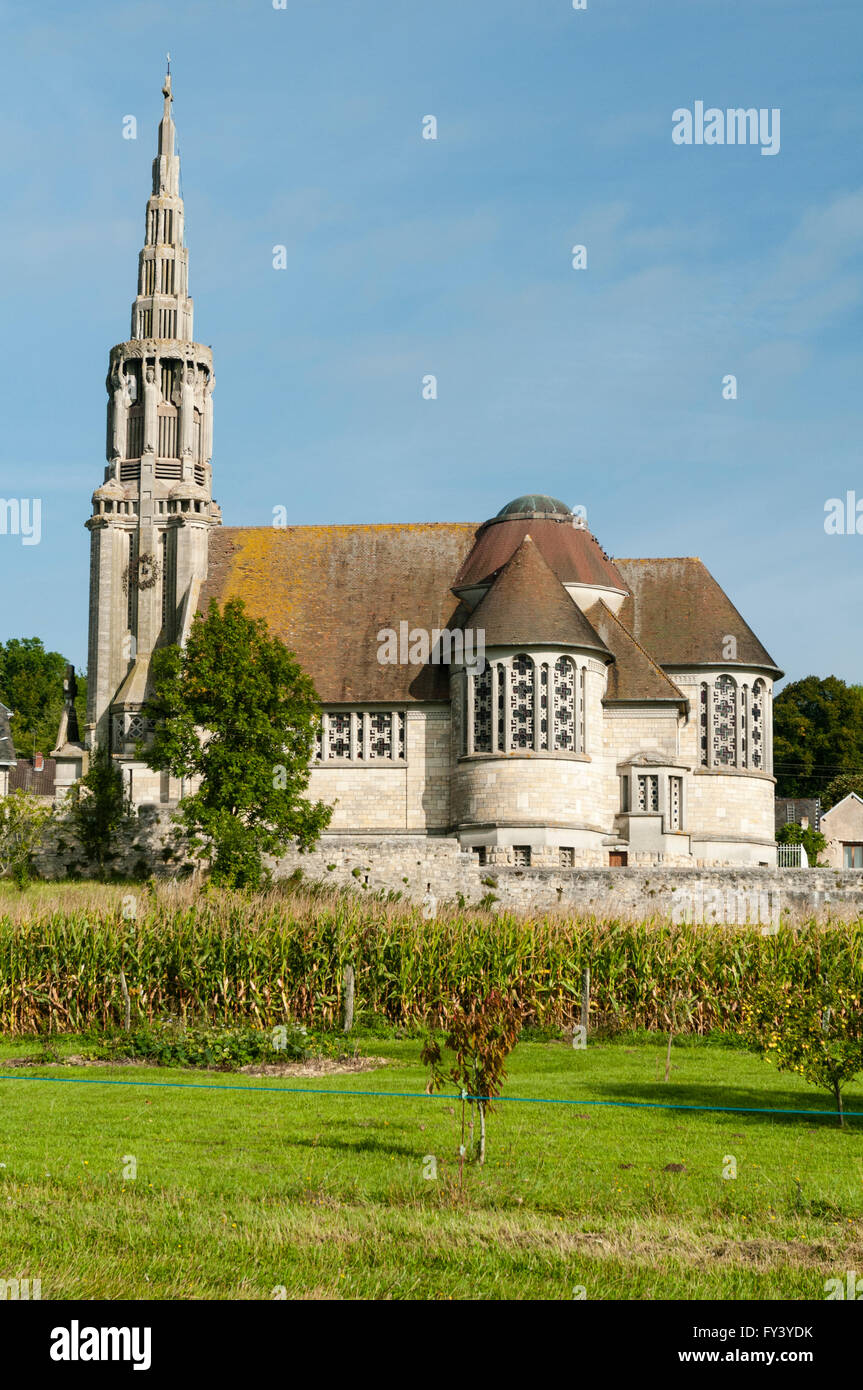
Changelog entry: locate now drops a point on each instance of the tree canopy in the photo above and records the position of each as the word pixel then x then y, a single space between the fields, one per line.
pixel 31 685
pixel 235 711
pixel 817 735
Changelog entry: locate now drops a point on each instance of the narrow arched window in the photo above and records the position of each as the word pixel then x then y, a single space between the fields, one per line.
pixel 501 707
pixel 482 712
pixel 544 709
pixel 564 706
pixel 725 722
pixel 756 726
pixel 521 703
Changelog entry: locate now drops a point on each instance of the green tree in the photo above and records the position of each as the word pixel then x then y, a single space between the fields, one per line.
pixel 235 711
pixel 817 734
pixel 814 1029
pixel 812 841
pixel 841 787
pixel 31 684
pixel 23 818
pixel 98 810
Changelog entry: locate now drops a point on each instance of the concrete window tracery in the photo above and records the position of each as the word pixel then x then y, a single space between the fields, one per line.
pixel 525 704
pixel 521 710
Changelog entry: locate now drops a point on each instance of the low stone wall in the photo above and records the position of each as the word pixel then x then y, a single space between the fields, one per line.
pixel 437 871
pixel 144 848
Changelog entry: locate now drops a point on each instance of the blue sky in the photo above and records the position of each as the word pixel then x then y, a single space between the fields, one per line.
pixel 407 256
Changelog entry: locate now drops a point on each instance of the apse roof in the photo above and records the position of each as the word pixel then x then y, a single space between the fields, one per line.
pixel 528 606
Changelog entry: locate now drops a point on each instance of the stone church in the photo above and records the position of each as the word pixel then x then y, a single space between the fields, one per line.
pixel 506 686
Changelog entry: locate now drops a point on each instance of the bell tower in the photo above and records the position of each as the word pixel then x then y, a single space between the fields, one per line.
pixel 153 512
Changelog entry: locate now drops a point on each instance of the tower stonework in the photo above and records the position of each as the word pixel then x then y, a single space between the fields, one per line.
pixel 152 515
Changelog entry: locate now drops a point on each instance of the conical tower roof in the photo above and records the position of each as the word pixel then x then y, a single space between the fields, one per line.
pixel 528 606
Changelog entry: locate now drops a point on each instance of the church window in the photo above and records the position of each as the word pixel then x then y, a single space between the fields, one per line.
pixel 135 728
pixel 135 433
pixel 543 706
pixel 131 585
pixel 521 703
pixel 564 706
pixel 167 436
pixel 648 792
pixel 482 712
pixel 381 741
pixel 675 802
pixel 756 726
pixel 521 856
pixel 340 736
pixel 357 737
pixel 725 722
pixel 501 707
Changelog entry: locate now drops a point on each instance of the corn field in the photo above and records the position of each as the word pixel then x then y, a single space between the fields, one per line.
pixel 260 961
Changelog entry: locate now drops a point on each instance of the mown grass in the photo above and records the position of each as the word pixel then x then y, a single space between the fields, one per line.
pixel 240 1194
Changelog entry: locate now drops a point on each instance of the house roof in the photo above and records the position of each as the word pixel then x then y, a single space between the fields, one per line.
pixel 634 674
pixel 528 606
pixel 791 809
pixel 852 796
pixel 25 778
pixel 676 610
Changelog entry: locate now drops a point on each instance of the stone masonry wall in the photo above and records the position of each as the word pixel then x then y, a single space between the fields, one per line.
pixel 437 871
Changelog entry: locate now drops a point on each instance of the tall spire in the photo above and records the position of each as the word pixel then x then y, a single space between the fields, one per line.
pixel 162 307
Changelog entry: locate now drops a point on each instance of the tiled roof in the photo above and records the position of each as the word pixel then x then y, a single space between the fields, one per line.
pixel 634 674
pixel 573 553
pixel 25 778
pixel 328 590
pixel 678 613
pixel 791 809
pixel 527 606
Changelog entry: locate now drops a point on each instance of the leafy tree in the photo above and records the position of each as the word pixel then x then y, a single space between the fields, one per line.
pixel 841 787
pixel 23 818
pixel 814 1029
pixel 235 711
pixel 98 810
pixel 812 841
pixel 31 684
pixel 817 733
pixel 480 1038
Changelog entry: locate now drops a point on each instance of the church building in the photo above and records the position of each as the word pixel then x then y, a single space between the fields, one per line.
pixel 506 685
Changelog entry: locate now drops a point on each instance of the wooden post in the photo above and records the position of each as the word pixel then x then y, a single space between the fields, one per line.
pixel 126 1002
pixel 585 1000
pixel 348 1006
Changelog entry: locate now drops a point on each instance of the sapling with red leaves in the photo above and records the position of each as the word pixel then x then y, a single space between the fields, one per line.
pixel 473 1053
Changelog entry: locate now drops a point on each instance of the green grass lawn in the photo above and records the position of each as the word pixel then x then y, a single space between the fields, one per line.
pixel 240 1193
